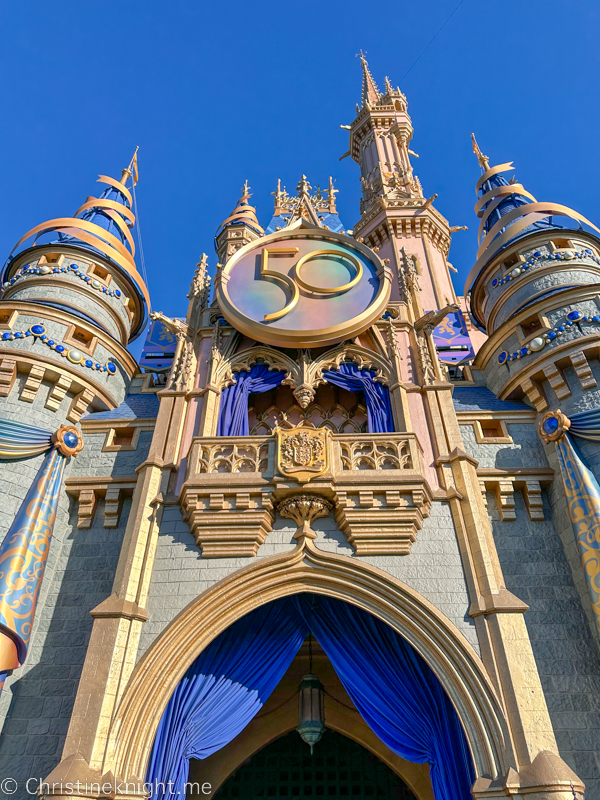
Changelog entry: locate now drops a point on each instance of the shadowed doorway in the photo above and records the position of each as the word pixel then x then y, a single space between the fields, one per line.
pixel 339 768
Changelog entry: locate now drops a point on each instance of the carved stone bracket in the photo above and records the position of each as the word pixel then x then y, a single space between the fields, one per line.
pixel 304 509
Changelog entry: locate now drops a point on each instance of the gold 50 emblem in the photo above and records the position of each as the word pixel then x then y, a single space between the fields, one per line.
pixel 306 287
pixel 292 283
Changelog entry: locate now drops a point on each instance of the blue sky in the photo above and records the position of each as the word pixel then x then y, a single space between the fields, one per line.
pixel 214 93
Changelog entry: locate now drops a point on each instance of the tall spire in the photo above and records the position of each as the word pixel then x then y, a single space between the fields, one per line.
pixel 370 93
pixel 102 224
pixel 508 210
pixel 244 213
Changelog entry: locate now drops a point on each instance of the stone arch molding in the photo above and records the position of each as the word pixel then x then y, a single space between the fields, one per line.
pixel 305 374
pixel 307 569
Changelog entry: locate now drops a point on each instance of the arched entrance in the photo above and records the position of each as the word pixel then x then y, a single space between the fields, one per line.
pixel 306 569
pixel 339 768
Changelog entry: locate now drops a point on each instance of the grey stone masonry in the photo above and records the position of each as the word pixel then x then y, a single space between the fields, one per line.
pixel 537 571
pixel 433 568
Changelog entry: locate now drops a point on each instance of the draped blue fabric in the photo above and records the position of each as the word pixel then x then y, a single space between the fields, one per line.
pixel 586 425
pixel 233 415
pixel 379 410
pixel 222 691
pixel 394 690
pixel 19 440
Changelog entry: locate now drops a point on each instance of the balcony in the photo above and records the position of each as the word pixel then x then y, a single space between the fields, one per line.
pixel 376 482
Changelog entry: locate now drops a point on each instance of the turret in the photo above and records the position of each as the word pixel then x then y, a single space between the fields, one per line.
pixel 72 299
pixel 241 227
pixel 533 289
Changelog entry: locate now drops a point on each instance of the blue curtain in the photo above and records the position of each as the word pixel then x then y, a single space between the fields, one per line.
pixel 233 414
pixel 223 690
pixel 379 411
pixel 394 690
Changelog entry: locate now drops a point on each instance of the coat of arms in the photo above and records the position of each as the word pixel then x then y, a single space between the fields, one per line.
pixel 302 452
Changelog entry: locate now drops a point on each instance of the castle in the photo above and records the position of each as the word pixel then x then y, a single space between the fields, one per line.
pixel 338 532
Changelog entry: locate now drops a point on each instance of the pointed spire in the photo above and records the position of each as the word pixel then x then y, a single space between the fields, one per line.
pixel 243 213
pixel 331 193
pixel 370 93
pixel 389 89
pixel 484 161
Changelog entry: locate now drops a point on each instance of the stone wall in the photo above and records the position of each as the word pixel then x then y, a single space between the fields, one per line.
pixel 537 571
pixel 180 573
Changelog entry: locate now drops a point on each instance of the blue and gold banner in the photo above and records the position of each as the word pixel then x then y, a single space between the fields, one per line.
pixel 583 498
pixel 24 550
pixel 581 490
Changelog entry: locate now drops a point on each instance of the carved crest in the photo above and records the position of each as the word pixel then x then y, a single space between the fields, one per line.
pixel 302 452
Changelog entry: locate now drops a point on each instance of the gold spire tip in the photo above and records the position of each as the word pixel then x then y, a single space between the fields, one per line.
pixel 484 161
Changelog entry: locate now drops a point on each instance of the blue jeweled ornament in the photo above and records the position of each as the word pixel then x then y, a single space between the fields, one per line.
pixel 89 363
pixel 523 351
pixel 111 367
pixel 502 357
pixel 70 439
pixel 551 335
pixel 574 315
pixel 550 425
pixel 7 335
pixel 38 330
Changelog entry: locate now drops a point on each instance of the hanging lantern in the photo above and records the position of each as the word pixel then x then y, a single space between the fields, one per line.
pixel 311 710
pixel 311 706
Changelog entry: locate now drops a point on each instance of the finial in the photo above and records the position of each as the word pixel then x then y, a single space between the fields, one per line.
pixel 484 161
pixel 388 86
pixel 246 191
pixel 370 93
pixel 278 195
pixel 331 193
pixel 303 187
pixel 132 170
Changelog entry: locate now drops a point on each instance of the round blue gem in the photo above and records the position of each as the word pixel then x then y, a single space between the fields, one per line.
pixel 74 267
pixel 37 330
pixel 524 351
pixel 87 279
pixel 27 333
pixel 60 348
pixel 56 269
pixel 596 319
pixel 589 252
pixel 111 367
pixel 50 342
pixel 494 282
pixel 98 366
pixel 70 439
pixel 7 335
pixel 117 293
pixel 18 335
pixel 551 335
pixel 561 328
pixel 574 315
pixel 89 363
pixel 43 337
pixel 515 355
pixel 537 254
pixel 550 425
pixel 502 357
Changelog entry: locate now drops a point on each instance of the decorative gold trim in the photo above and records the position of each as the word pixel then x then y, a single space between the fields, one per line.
pixel 302 452
pixel 58 439
pixel 564 423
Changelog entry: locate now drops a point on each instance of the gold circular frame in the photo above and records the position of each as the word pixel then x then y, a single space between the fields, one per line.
pixel 317 337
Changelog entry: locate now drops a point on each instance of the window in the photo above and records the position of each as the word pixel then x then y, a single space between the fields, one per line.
pixel 122 438
pixel 491 431
pixel 81 339
pixel 99 272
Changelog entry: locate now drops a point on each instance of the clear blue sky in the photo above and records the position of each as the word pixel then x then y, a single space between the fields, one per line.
pixel 217 92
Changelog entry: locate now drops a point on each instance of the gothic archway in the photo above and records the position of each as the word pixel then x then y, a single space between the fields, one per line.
pixel 307 569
